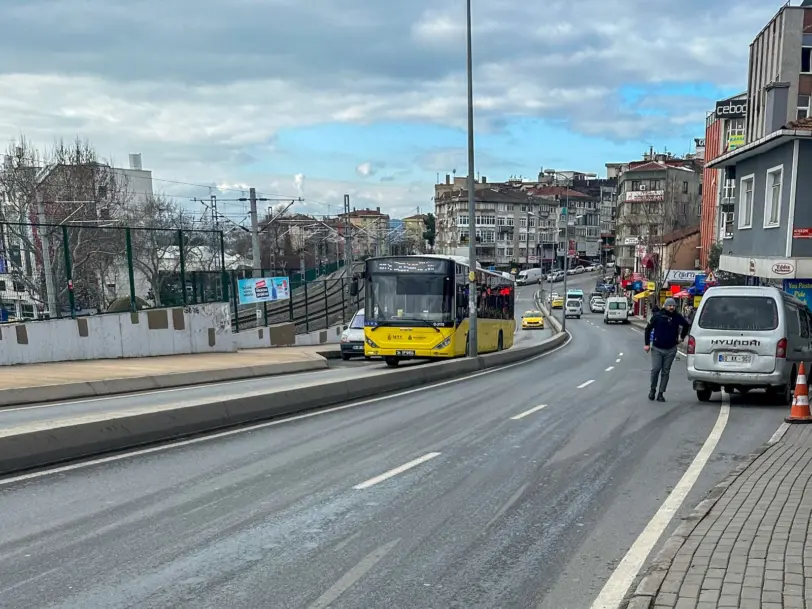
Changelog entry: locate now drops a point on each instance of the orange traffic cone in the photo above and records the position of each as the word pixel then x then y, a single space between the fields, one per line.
pixel 799 413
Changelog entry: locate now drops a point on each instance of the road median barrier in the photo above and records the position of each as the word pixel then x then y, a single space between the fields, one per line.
pixel 51 442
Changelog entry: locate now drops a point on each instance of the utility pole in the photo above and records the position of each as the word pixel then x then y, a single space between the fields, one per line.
pixel 347 238
pixel 50 290
pixel 472 267
pixel 252 198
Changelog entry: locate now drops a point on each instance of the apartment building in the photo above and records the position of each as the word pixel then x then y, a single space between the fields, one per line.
pixel 781 54
pixel 519 223
pixel 655 196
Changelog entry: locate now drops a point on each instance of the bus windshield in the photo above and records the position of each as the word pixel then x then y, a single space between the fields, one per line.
pixel 410 297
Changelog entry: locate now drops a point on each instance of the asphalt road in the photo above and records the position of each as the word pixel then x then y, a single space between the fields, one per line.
pixel 38 413
pixel 530 512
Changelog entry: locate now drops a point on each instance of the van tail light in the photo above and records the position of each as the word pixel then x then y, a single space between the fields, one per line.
pixel 781 348
pixel 691 345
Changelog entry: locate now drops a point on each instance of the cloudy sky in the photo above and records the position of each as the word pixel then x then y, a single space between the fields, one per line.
pixel 318 98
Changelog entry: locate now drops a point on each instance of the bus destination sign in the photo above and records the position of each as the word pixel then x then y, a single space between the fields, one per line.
pixel 406 265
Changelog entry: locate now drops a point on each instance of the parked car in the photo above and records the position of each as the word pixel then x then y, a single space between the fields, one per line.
pixel 748 337
pixel 352 339
pixel 616 310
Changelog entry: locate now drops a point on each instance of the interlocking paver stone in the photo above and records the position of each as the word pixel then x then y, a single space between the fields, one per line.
pixel 753 548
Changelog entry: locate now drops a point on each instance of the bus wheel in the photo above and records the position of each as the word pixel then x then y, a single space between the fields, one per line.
pixel 501 342
pixel 392 362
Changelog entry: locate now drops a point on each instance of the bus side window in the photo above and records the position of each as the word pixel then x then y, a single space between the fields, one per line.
pixel 462 302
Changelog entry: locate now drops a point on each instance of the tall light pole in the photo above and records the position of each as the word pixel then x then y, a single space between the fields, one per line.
pixel 472 267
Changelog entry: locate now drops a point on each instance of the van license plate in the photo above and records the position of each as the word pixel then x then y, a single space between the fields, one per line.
pixel 405 353
pixel 735 359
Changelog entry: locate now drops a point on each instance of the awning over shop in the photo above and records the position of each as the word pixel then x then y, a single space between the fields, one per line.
pixel 642 295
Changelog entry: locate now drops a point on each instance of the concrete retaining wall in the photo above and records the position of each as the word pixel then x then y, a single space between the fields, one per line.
pixel 321 337
pixel 48 446
pixel 193 329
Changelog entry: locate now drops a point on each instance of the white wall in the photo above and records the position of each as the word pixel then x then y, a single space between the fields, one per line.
pixel 185 330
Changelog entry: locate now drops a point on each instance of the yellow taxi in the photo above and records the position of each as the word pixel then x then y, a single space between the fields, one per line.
pixel 557 302
pixel 532 319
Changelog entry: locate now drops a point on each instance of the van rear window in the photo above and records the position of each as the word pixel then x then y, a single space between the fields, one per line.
pixel 617 306
pixel 739 313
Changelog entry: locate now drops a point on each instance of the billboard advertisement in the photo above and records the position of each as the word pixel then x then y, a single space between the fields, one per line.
pixel 263 289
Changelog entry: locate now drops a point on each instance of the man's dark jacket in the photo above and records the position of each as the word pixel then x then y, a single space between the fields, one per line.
pixel 666 327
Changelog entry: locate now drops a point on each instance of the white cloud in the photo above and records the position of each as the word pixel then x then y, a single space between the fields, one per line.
pixel 202 88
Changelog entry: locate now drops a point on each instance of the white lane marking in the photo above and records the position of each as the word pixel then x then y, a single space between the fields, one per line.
pixel 394 472
pixel 618 584
pixel 620 355
pixel 610 368
pixel 528 412
pixel 617 361
pixel 233 432
pixel 582 385
pixel 779 433
pixel 351 577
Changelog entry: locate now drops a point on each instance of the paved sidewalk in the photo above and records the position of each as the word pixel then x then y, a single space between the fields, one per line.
pixel 56 373
pixel 748 545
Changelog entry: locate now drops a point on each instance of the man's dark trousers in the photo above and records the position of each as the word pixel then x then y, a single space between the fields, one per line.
pixel 661 360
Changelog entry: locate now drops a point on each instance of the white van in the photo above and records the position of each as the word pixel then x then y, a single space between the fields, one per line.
pixel 574 308
pixel 528 276
pixel 616 310
pixel 748 337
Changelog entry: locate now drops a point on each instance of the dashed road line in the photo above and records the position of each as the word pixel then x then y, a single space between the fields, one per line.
pixel 610 368
pixel 394 472
pixel 582 385
pixel 528 412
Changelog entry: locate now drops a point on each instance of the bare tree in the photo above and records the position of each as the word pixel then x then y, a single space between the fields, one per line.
pixel 82 196
pixel 160 230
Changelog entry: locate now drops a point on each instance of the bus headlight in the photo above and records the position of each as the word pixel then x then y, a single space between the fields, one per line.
pixel 372 344
pixel 443 344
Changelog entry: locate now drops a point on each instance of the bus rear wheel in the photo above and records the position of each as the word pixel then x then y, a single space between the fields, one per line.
pixel 392 362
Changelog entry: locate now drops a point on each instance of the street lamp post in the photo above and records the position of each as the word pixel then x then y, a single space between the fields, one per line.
pixel 472 266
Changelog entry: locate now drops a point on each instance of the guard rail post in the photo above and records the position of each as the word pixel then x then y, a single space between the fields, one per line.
pixel 236 293
pixel 326 306
pixel 307 314
pixel 343 303
pixel 290 303
pixel 265 306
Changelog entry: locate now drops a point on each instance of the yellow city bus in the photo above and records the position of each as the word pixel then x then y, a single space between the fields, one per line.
pixel 417 307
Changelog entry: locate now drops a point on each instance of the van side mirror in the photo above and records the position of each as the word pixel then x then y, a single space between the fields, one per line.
pixel 354 287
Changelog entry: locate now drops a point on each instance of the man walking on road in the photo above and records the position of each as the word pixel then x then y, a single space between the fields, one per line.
pixel 665 330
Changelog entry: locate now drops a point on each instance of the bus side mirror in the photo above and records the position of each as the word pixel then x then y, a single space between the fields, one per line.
pixel 354 287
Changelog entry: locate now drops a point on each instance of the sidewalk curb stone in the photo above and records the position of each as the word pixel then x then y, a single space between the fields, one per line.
pixel 646 592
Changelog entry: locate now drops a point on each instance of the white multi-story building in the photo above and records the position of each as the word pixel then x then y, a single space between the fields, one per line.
pixel 518 224
pixel 20 262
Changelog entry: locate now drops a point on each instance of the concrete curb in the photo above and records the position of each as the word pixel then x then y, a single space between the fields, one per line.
pixel 39 448
pixel 88 389
pixel 646 592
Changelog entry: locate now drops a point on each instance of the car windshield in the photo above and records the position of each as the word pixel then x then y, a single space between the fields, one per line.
pixel 357 322
pixel 423 297
pixel 573 303
pixel 532 314
pixel 739 313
